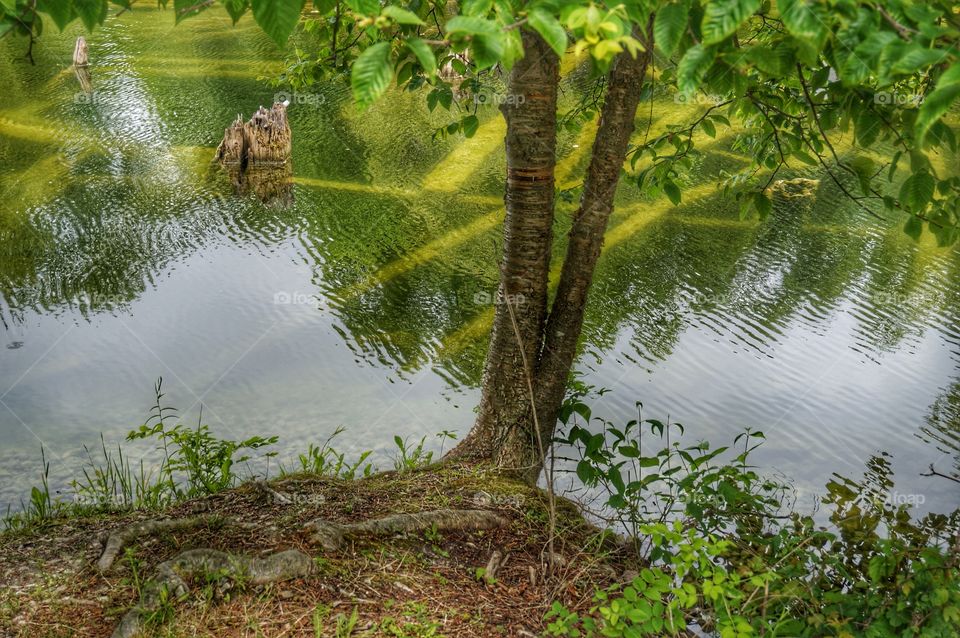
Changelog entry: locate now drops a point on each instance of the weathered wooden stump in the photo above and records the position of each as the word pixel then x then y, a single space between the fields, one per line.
pixel 80 54
pixel 267 135
pixel 231 149
pixel 83 76
pixel 256 155
pixel 263 141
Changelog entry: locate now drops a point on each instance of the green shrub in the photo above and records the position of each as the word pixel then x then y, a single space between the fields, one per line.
pixel 720 548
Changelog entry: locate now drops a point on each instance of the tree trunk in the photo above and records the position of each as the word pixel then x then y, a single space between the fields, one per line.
pixel 586 235
pixel 503 432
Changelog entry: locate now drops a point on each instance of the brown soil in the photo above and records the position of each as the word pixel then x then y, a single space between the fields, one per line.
pixel 427 583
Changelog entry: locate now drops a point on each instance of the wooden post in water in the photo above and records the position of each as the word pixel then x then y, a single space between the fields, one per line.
pixel 80 55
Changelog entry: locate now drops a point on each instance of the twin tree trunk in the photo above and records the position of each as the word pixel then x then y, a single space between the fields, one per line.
pixel 532 350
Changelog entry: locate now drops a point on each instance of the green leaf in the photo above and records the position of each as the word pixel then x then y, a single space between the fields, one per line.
pixel 763 203
pixel 938 102
pixel 549 29
pixel 487 49
pixel 803 21
pixel 672 191
pixel 917 191
pixel 669 26
pixel 236 8
pixel 60 11
pixel 775 60
pixel 469 125
pixel 865 168
pixel 91 12
pixel 10 7
pixel 371 74
pixel 585 472
pixel 806 25
pixel 913 228
pixel 364 7
pixel 476 7
pixel 867 126
pixel 401 15
pixel 693 67
pixel 722 18
pixel 470 25
pixel 916 58
pixel 513 49
pixel 804 157
pixel 424 55
pixel 277 17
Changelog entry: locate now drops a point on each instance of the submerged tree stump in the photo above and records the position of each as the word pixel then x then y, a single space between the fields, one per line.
pixel 80 55
pixel 256 155
pixel 267 136
pixel 263 141
pixel 231 149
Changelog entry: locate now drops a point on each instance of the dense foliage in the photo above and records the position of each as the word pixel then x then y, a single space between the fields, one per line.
pixel 720 545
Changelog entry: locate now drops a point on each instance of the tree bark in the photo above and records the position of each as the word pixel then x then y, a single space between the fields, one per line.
pixel 503 432
pixel 589 226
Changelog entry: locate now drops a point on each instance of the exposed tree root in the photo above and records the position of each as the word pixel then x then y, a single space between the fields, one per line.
pixel 119 539
pixel 332 536
pixel 173 577
pixel 496 561
pixel 264 488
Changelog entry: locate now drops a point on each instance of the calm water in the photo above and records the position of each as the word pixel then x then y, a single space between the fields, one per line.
pixel 124 256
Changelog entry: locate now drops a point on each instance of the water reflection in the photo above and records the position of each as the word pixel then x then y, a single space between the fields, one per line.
pixel 393 241
pixel 942 429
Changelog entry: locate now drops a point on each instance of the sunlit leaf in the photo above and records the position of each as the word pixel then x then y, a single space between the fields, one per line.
pixel 722 18
pixel 938 102
pixel 549 29
pixel 401 15
pixel 277 17
pixel 669 26
pixel 693 67
pixel 917 191
pixel 424 55
pixel 371 74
